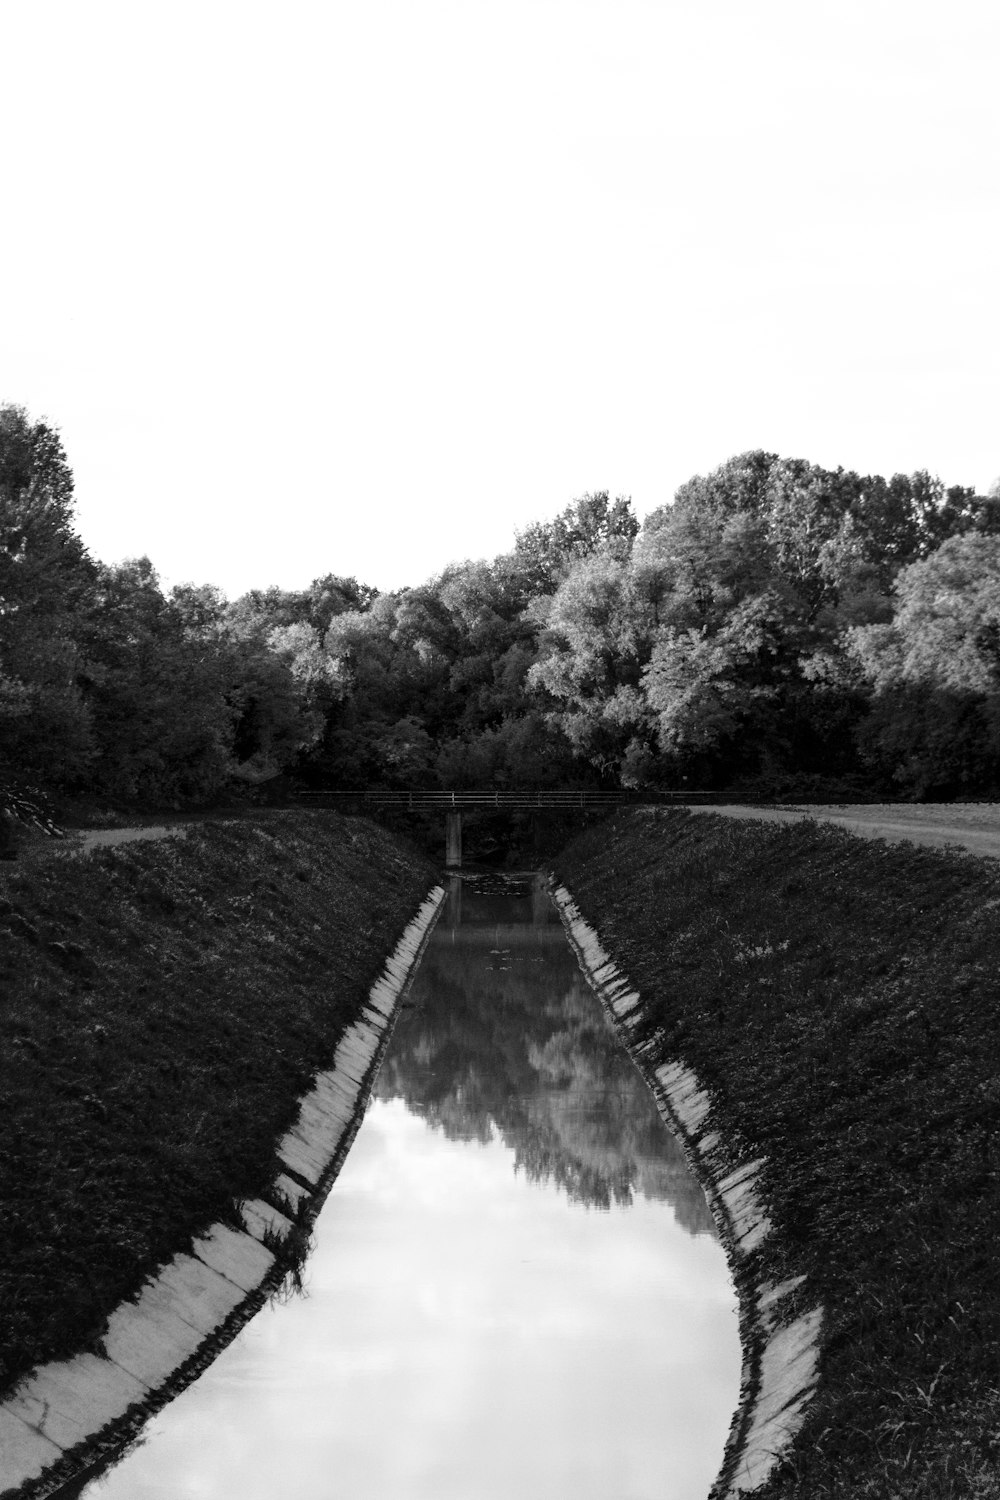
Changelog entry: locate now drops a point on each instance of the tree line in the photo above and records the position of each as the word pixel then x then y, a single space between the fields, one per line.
pixel 778 627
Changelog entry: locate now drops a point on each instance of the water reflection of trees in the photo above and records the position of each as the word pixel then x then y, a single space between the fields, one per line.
pixel 505 1039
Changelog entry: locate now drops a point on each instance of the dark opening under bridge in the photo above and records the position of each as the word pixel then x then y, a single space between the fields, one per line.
pixel 453 803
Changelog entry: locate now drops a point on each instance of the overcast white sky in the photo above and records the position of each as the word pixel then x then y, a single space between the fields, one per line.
pixel 361 287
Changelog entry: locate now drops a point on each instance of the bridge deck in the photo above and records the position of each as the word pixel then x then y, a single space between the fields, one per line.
pixel 513 799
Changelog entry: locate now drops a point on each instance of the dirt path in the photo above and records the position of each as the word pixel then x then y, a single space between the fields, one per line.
pixel 974 826
pixel 96 838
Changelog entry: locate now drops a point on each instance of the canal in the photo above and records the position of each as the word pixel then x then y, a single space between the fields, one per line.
pixel 516 1286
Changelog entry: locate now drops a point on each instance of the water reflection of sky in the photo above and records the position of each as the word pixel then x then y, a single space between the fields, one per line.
pixel 470 1332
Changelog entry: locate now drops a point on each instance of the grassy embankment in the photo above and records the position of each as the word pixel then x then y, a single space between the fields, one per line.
pixel 839 1000
pixel 164 1006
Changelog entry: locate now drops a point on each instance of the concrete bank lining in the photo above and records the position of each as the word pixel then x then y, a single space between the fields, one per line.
pixel 68 1414
pixel 780 1352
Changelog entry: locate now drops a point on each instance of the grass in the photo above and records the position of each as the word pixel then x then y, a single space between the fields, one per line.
pixel 164 1006
pixel 838 997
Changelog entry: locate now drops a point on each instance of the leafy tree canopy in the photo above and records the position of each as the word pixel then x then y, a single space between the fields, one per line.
pixel 545 550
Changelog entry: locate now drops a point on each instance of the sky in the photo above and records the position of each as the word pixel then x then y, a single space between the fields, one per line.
pixel 364 287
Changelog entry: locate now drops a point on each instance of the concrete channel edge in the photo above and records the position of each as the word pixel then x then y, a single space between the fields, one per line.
pixel 780 1352
pixel 70 1415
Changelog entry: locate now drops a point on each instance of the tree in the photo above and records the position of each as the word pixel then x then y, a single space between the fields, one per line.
pixel 201 610
pixel 46 585
pixel 946 628
pixel 522 751
pixel 693 565
pixel 593 648
pixel 261 610
pixel 332 595
pixel 546 550
pixel 156 692
pixel 495 645
pixel 280 690
pixel 282 684
pixel 706 688
pixel 935 671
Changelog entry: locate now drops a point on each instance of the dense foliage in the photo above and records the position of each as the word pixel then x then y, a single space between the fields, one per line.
pixel 777 626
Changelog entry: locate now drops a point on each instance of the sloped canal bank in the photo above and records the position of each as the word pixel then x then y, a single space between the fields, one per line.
pixel 516 1285
pixel 836 1000
pixel 165 1006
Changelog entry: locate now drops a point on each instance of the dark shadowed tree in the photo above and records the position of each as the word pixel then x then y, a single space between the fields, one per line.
pixel 46 585
pixel 157 693
pixel 276 680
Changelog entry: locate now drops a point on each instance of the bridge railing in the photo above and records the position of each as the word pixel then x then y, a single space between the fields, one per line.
pixel 433 798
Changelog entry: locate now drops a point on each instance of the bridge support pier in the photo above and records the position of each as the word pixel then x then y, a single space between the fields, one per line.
pixel 453 840
pixel 453 911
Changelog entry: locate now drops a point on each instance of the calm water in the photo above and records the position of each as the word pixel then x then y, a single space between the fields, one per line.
pixel 516 1288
